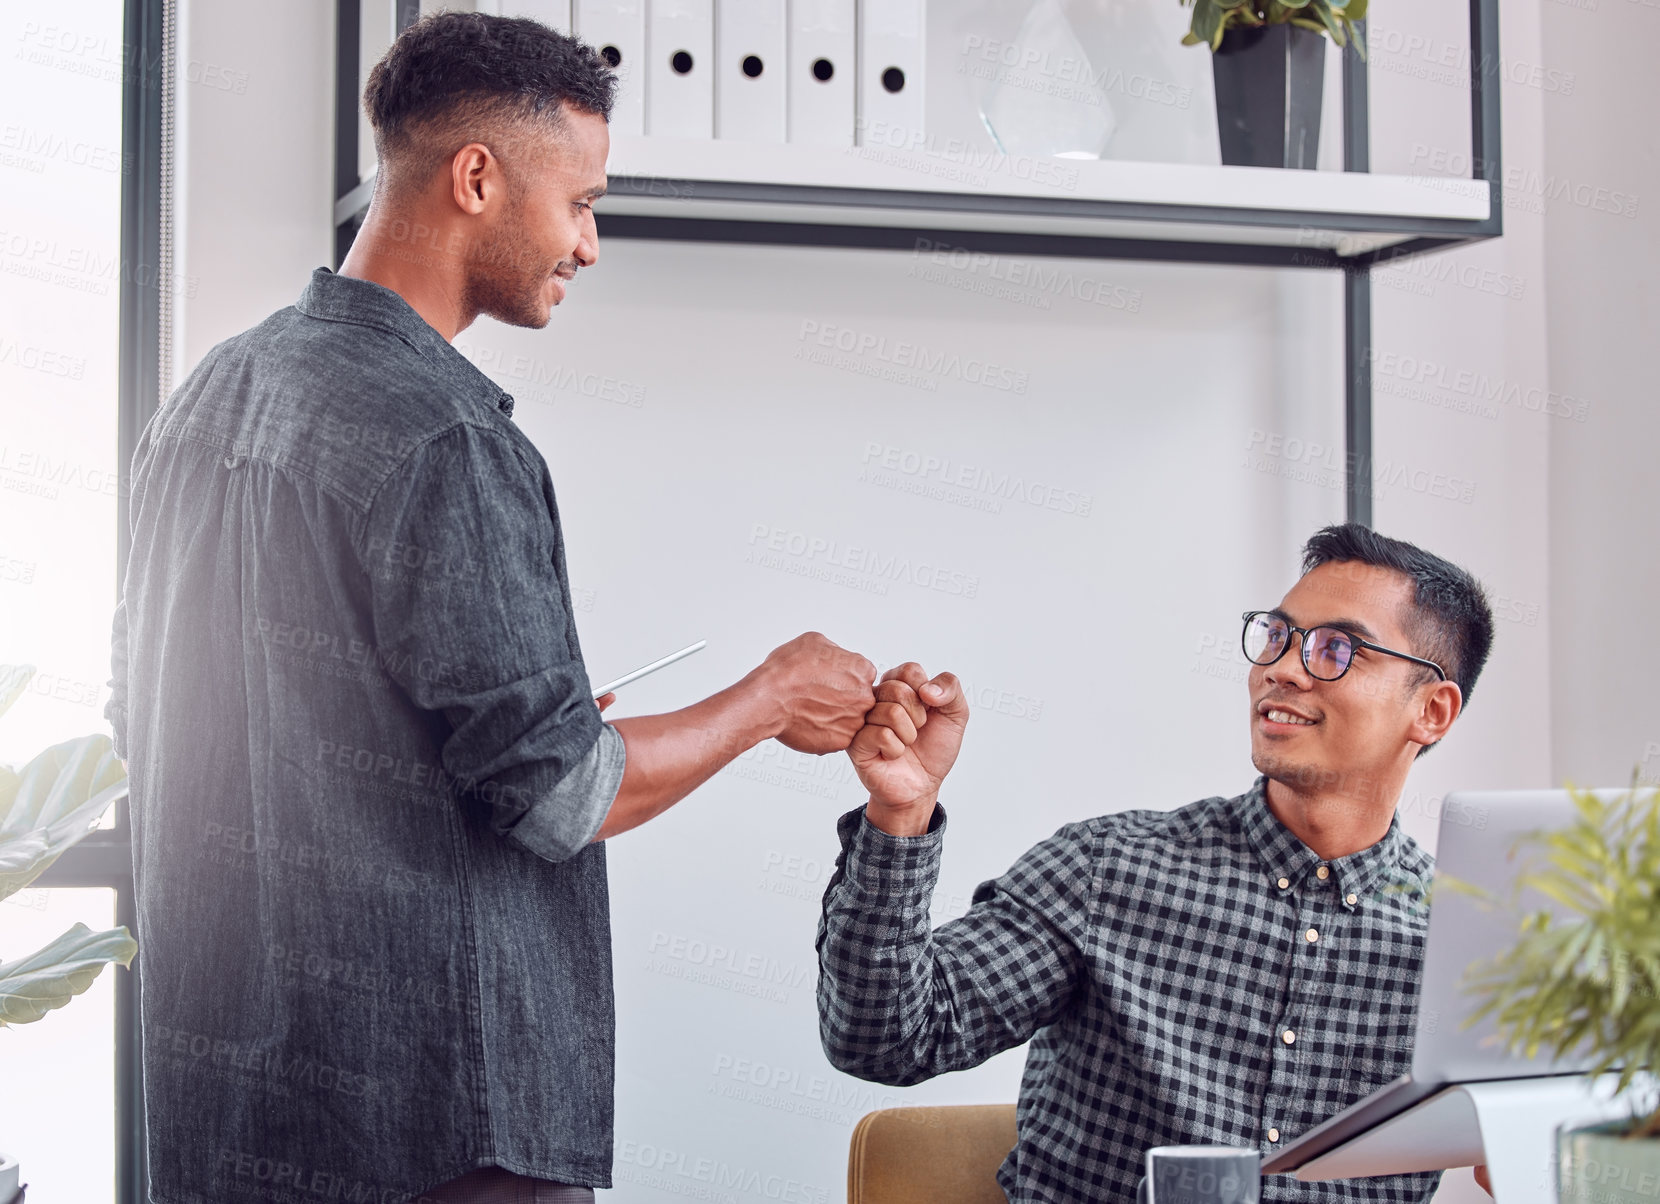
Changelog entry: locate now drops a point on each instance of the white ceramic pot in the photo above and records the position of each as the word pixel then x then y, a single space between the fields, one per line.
pixel 9 1172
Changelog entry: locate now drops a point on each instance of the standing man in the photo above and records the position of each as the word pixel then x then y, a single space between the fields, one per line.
pixel 1234 971
pixel 368 780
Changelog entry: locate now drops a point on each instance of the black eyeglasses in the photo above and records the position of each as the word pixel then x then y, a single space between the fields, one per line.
pixel 1327 651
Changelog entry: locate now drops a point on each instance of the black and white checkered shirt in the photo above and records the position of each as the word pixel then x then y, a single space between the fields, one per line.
pixel 1193 976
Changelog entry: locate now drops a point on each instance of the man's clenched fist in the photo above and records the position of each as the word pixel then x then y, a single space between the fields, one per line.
pixel 907 745
pixel 824 691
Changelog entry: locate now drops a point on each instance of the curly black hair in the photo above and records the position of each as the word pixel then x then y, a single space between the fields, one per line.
pixel 1451 622
pixel 452 77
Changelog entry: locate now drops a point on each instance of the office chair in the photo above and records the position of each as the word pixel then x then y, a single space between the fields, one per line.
pixel 945 1155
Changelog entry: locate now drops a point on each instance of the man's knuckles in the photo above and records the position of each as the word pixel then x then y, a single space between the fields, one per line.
pixel 895 717
pixel 911 673
pixel 897 694
pixel 867 742
pixel 889 744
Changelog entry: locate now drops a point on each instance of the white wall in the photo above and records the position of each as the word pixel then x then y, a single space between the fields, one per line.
pixel 1601 183
pixel 686 423
pixel 254 165
pixel 1460 357
pixel 1084 637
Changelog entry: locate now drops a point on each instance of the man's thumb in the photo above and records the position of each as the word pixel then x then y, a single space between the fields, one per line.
pixel 945 695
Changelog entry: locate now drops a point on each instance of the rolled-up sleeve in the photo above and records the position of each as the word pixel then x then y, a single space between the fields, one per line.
pixel 571 816
pixel 472 620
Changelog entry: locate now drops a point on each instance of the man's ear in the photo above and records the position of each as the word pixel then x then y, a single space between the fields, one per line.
pixel 474 173
pixel 1437 709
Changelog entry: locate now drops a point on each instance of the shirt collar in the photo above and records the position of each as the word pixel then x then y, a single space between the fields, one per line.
pixel 1286 859
pixel 336 298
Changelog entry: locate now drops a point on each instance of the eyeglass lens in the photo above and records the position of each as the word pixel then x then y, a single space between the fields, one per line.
pixel 1326 650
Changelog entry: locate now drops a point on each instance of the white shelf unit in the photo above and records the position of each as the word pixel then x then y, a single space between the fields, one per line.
pixel 886 197
pixel 1347 214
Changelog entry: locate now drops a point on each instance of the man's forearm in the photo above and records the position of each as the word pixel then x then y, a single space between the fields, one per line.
pixel 876 988
pixel 900 1001
pixel 670 755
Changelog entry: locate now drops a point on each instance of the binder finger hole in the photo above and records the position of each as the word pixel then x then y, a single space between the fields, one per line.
pixel 752 65
pixel 681 62
pixel 611 55
pixel 893 79
pixel 823 69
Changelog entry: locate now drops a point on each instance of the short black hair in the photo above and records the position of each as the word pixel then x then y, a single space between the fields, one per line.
pixel 452 74
pixel 1451 623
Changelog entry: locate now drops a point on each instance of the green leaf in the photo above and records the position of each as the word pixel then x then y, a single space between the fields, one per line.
pixel 34 985
pixel 1566 891
pixel 1332 22
pixel 1207 21
pixel 1358 36
pixel 1446 882
pixel 53 804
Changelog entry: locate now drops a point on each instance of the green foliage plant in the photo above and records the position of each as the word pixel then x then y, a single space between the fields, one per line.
pixel 45 807
pixel 1336 18
pixel 1590 980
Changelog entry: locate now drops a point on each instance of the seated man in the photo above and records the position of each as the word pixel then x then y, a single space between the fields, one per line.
pixel 1235 971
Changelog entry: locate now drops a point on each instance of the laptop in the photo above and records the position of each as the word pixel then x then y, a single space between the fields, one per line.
pixel 1477 845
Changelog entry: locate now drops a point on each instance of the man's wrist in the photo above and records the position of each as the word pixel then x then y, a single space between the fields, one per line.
pixel 762 704
pixel 912 819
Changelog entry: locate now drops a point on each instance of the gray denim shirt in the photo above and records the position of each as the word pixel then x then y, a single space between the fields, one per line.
pixel 365 774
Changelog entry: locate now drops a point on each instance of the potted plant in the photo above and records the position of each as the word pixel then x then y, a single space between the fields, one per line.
pixel 1268 58
pixel 47 806
pixel 1591 982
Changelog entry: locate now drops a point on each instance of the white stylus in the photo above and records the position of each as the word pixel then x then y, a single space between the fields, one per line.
pixel 602 691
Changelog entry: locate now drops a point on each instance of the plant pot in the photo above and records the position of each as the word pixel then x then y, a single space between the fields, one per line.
pixel 1596 1165
pixel 1269 81
pixel 10 1174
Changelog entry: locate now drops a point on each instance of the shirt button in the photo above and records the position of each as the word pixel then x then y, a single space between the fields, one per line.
pixel 1288 1036
pixel 1353 899
pixel 1312 935
pixel 1323 872
pixel 1273 1134
pixel 1284 882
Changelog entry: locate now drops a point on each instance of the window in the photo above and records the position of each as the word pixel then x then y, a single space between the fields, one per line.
pixel 79 315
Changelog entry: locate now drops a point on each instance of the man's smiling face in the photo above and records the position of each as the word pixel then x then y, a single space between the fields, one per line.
pixel 543 229
pixel 1311 734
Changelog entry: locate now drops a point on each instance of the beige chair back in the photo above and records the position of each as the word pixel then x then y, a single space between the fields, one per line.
pixel 946 1155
